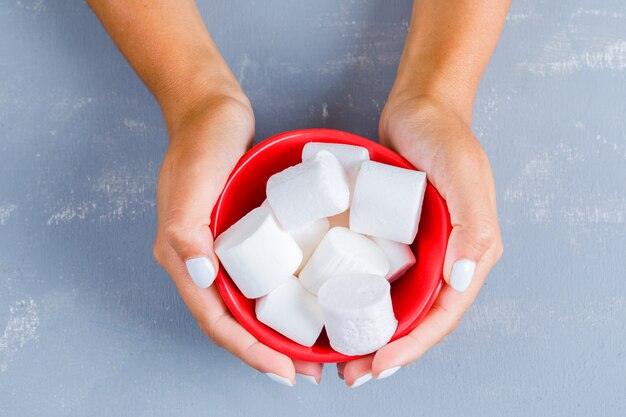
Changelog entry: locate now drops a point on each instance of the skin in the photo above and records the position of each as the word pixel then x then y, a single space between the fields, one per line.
pixel 427 119
pixel 210 123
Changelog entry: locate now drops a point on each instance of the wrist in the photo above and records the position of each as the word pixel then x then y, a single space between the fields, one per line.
pixel 434 76
pixel 202 92
pixel 405 115
pixel 427 87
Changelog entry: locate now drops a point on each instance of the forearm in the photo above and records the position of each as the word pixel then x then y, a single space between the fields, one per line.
pixel 167 44
pixel 447 49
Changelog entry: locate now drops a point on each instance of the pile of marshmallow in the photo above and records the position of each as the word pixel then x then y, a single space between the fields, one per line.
pixel 323 248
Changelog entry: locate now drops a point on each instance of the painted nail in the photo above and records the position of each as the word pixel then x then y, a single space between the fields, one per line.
pixel 201 271
pixel 388 372
pixel 280 379
pixel 462 274
pixel 309 378
pixel 361 380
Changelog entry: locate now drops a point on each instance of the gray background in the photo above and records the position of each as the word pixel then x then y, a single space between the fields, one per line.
pixel 89 324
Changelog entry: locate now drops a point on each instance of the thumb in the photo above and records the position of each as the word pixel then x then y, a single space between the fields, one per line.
pixel 197 174
pixel 467 246
pixel 441 143
pixel 471 201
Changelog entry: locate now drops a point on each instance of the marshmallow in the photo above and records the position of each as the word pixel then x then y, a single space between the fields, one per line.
pixel 357 312
pixel 292 311
pixel 308 237
pixel 340 220
pixel 400 256
pixel 308 191
pixel 349 156
pixel 342 252
pixel 387 201
pixel 257 254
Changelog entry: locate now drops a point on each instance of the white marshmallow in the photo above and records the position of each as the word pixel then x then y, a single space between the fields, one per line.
pixel 257 254
pixel 400 256
pixel 342 252
pixel 308 191
pixel 349 156
pixel 387 201
pixel 292 311
pixel 357 312
pixel 340 220
pixel 308 237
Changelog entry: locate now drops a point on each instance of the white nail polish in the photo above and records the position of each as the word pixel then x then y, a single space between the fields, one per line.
pixel 201 271
pixel 361 380
pixel 280 379
pixel 462 274
pixel 309 378
pixel 388 372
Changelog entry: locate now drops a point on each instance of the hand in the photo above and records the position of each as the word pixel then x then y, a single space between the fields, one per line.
pixel 206 142
pixel 439 141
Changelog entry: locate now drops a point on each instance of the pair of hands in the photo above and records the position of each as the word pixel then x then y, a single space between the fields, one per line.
pixel 210 122
pixel 205 145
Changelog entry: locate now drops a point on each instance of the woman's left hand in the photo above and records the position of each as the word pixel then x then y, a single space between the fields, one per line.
pixel 439 142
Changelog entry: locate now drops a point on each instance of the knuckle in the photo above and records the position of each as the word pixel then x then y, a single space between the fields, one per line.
pixel 210 332
pixel 213 329
pixel 450 320
pixel 485 234
pixel 247 349
pixel 175 229
pixel 212 335
pixel 499 248
pixel 158 251
pixel 452 323
pixel 455 322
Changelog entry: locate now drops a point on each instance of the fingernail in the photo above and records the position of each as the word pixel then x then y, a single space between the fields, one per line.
pixel 201 271
pixel 462 274
pixel 280 379
pixel 388 372
pixel 309 378
pixel 361 380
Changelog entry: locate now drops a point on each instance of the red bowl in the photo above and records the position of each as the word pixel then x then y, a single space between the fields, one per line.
pixel 412 295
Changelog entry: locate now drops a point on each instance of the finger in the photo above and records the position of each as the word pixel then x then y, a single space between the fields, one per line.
pixel 358 371
pixel 474 217
pixel 443 318
pixel 197 168
pixel 309 371
pixel 220 326
pixel 459 169
pixel 467 246
pixel 226 332
pixel 340 368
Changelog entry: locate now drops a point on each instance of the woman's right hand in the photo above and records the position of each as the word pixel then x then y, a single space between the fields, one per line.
pixel 205 143
pixel 210 124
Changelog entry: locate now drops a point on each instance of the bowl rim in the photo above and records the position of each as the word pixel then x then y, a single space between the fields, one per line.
pixel 224 281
